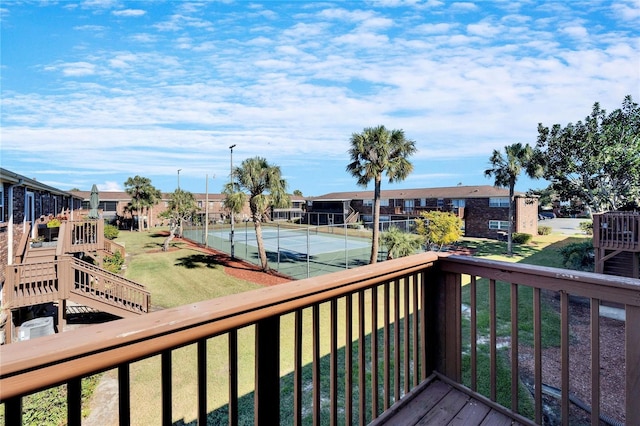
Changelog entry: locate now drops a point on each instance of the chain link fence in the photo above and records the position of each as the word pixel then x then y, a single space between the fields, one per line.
pixel 298 251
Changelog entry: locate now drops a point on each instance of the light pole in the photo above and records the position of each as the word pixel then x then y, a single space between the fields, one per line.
pixel 179 178
pixel 232 190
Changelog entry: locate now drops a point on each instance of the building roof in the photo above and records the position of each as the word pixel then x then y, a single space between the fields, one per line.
pixel 482 191
pixel 17 179
pixel 124 196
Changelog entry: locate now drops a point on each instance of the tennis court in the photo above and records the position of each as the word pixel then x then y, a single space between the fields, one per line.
pixel 298 252
pixel 297 242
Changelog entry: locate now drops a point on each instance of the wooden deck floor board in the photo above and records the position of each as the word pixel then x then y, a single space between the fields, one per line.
pixel 439 401
pixel 472 414
pixel 446 410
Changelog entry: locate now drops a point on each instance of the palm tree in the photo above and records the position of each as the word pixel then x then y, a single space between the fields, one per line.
pixel 400 243
pixel 143 195
pixel 506 169
pixel 376 151
pixel 252 179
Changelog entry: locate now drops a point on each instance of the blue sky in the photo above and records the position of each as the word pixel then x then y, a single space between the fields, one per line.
pixel 101 90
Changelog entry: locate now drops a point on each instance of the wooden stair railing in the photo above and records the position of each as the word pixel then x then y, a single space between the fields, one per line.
pixel 115 294
pixel 70 278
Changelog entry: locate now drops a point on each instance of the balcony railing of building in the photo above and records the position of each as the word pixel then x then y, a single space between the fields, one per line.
pixel 617 231
pixel 401 320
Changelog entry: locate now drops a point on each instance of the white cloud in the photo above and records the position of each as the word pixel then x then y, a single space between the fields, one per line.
pixel 75 69
pixel 463 6
pixel 628 10
pixel 129 12
pixel 90 28
pixel 483 29
pixel 440 28
pixel 110 186
pixel 575 31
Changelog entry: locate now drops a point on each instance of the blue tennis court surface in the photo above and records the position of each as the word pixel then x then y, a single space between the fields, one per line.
pixel 299 242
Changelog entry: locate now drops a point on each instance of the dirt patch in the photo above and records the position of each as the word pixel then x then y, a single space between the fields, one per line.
pixel 238 268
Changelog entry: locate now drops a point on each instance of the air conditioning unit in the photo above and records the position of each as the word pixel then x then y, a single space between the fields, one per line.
pixel 36 327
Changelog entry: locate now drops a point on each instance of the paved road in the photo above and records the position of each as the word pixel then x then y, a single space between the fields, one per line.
pixel 563 225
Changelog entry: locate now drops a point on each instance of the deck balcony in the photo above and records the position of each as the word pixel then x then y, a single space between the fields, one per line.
pixel 388 343
pixel 616 242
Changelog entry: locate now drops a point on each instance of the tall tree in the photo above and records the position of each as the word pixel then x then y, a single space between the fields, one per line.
pixel 182 207
pixel 263 185
pixel 439 228
pixel 596 161
pixel 506 170
pixel 143 195
pixel 374 152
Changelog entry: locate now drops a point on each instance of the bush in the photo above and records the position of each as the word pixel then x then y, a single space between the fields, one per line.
pixel 578 256
pixel 114 262
pixel 586 227
pixel 521 238
pixel 544 230
pixel 110 232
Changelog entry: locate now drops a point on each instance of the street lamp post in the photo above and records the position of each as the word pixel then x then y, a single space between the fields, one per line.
pixel 179 178
pixel 232 190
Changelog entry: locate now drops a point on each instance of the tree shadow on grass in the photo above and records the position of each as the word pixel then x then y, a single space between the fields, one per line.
pixel 198 261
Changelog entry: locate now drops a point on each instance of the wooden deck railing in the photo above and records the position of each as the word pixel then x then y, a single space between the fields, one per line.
pixel 370 335
pixel 81 236
pixel 111 246
pixel 617 231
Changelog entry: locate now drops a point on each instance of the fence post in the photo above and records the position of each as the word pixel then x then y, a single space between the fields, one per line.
pixel 267 353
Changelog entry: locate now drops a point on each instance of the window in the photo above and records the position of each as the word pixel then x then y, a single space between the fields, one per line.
pixel 109 206
pixel 499 202
pixel 384 202
pixel 499 224
pixel 408 204
pixel 457 203
pixel 440 202
pixel 1 202
pixel 367 203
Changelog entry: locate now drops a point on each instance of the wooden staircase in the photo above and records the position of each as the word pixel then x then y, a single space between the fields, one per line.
pixel 46 275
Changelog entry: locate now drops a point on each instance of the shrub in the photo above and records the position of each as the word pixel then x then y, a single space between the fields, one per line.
pixel 521 238
pixel 110 232
pixel 114 262
pixel 544 230
pixel 578 256
pixel 586 227
pixel 54 223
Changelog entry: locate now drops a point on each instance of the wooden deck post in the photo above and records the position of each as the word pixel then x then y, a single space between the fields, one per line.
pixel 267 394
pixel 443 300
pixel 632 360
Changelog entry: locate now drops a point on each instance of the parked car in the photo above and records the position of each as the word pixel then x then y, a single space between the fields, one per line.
pixel 547 215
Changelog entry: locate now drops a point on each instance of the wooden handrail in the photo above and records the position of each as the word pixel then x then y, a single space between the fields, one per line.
pixel 103 346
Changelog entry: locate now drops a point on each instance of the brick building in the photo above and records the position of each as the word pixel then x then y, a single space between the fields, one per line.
pixel 483 209
pixel 113 208
pixel 25 201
